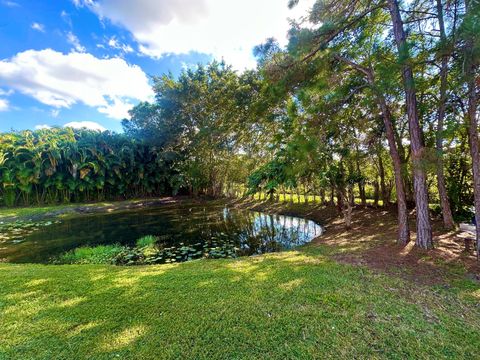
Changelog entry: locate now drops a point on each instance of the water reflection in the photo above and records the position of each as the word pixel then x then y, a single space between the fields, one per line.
pixel 250 232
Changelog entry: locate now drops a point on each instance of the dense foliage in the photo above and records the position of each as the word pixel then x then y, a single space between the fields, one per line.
pixel 64 165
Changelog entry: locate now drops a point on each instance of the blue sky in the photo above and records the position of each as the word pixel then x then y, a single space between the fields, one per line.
pixel 86 62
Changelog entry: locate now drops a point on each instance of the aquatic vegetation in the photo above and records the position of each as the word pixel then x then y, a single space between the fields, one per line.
pixel 102 254
pixel 145 241
pixel 16 231
pixel 176 232
pixel 147 253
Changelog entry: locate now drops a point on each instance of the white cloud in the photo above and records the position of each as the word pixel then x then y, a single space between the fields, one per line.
pixel 116 109
pixel 4 105
pixel 115 44
pixel 5 92
pixel 225 29
pixel 55 112
pixel 91 125
pixel 73 39
pixel 62 80
pixel 38 27
pixel 42 127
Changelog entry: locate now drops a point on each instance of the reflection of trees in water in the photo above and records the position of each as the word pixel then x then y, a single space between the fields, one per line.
pixel 256 232
pixel 192 225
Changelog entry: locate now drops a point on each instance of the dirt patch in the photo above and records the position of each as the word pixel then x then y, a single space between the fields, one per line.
pixel 371 242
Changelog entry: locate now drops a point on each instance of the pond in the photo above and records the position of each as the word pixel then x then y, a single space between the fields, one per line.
pixel 174 224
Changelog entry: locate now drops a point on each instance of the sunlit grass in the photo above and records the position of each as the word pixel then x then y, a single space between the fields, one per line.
pixel 303 199
pixel 297 304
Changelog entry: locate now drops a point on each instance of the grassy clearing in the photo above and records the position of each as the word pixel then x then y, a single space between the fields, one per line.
pixel 303 198
pixel 295 304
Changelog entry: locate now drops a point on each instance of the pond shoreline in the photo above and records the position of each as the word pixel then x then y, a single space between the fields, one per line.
pixel 321 214
pixel 42 213
pixel 181 228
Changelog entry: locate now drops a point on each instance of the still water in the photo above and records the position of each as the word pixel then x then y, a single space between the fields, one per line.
pixel 251 232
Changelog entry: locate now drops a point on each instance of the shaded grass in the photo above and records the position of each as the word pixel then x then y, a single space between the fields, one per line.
pixel 296 304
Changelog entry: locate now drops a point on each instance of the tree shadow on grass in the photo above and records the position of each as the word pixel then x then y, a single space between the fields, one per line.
pixel 286 305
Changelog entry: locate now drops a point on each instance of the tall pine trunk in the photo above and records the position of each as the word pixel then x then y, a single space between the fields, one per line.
pixel 424 228
pixel 403 228
pixel 448 222
pixel 470 70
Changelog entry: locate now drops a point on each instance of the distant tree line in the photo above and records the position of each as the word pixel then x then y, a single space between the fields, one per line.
pixel 64 165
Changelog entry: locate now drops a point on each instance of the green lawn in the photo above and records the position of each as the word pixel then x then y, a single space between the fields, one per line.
pixel 295 304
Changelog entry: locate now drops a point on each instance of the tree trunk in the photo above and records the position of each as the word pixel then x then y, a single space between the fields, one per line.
pixel 424 229
pixel 376 193
pixel 403 228
pixel 361 184
pixel 339 201
pixel 470 70
pixel 448 222
pixel 332 195
pixel 347 207
pixel 381 172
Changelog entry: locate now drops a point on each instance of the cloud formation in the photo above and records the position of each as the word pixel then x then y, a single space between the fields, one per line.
pixel 62 80
pixel 38 27
pixel 42 127
pixel 4 105
pixel 91 125
pixel 73 40
pixel 225 29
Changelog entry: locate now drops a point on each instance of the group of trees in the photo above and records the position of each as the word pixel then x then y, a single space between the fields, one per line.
pixel 372 100
pixel 413 68
pixel 66 165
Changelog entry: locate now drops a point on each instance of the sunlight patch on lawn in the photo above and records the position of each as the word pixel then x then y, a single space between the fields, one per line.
pixel 72 302
pixel 125 279
pixel 83 327
pixel 124 338
pixel 291 285
pixel 36 282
